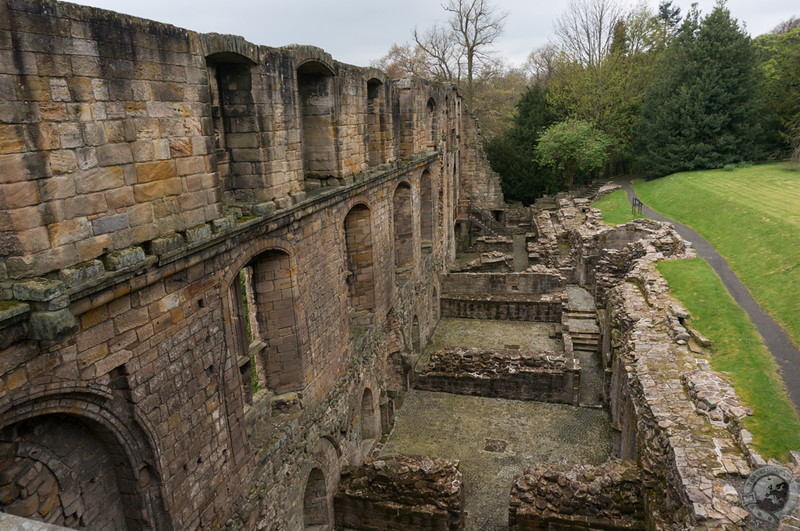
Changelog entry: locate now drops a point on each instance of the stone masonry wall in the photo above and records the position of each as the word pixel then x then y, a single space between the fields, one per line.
pixel 501 283
pixel 544 308
pixel 403 492
pixel 174 277
pixel 608 496
pixel 501 373
pixel 691 461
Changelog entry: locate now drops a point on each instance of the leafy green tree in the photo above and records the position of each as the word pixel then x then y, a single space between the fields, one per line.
pixel 576 147
pixel 609 91
pixel 512 154
pixel 700 110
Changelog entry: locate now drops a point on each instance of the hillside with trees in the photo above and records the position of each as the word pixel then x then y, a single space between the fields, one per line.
pixel 654 91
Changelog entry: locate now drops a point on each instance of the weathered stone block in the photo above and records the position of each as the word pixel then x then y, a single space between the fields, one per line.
pixel 106 224
pixel 223 224
pixel 52 326
pixel 114 154
pixel 125 258
pixel 198 233
pixel 166 244
pixel 39 289
pixel 11 309
pixel 298 197
pixel 283 202
pixel 264 209
pixel 82 273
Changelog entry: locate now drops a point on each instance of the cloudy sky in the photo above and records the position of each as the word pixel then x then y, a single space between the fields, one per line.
pixel 359 31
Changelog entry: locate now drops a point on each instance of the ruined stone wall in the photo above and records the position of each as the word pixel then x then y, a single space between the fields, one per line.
pixel 608 496
pixel 481 184
pixel 179 280
pixel 501 373
pixel 545 308
pixel 501 283
pixel 403 492
pixel 691 462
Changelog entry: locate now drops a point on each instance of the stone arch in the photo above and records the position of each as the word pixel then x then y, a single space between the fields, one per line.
pixel 432 123
pixel 316 510
pixel 359 258
pixel 377 127
pixel 317 99
pixel 232 113
pixel 369 418
pixel 263 298
pixel 426 206
pixel 403 228
pixel 94 469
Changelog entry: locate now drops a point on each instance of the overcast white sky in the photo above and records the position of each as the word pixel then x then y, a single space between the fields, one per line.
pixel 359 31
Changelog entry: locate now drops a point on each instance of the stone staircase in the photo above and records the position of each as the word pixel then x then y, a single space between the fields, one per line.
pixel 588 338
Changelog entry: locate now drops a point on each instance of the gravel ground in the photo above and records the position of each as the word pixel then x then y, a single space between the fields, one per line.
pixel 457 427
pixel 579 298
pixel 493 334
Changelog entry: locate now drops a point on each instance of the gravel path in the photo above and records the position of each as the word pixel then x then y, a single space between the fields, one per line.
pixel 775 338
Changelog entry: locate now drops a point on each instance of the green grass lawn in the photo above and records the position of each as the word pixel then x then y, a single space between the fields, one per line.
pixel 616 208
pixel 738 352
pixel 752 217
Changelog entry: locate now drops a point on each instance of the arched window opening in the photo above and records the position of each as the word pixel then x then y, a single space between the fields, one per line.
pixel 243 323
pixel 69 472
pixel 360 269
pixel 264 311
pixel 416 340
pixel 435 305
pixel 433 124
pixel 315 84
pixel 233 117
pixel 426 215
pixel 369 419
pixel 403 229
pixel 376 123
pixel 315 502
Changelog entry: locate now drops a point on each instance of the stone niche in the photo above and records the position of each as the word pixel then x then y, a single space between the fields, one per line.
pixel 400 493
pixel 608 496
pixel 502 373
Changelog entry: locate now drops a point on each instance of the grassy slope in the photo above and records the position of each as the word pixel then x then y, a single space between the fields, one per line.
pixel 616 208
pixel 752 216
pixel 739 352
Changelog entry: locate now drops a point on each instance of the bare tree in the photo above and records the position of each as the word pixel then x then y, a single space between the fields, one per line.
pixel 403 60
pixel 476 24
pixel 443 51
pixel 786 26
pixel 586 29
pixel 541 63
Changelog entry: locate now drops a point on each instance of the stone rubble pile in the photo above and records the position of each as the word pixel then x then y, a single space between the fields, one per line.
pixel 493 261
pixel 608 495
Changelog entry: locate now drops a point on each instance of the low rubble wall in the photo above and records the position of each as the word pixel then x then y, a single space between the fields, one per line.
pixel 608 496
pixel 485 244
pixel 401 493
pixel 501 283
pixel 502 373
pixel 546 309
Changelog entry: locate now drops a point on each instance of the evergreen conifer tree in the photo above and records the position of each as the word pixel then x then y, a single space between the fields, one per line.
pixel 700 111
pixel 512 154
